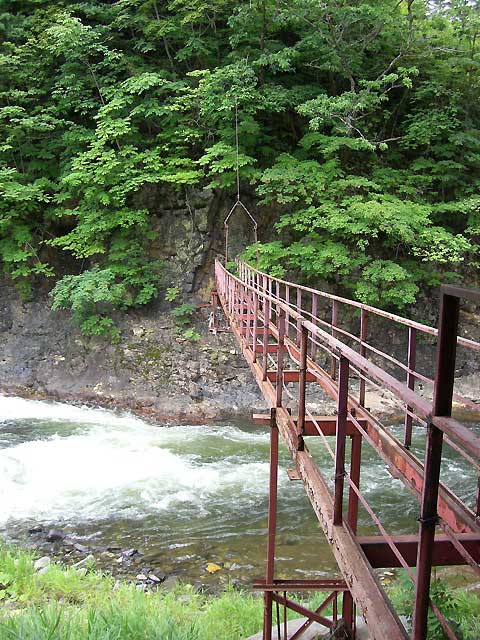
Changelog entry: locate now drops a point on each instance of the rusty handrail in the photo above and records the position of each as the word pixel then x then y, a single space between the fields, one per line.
pixel 424 328
pixel 258 294
pixel 450 426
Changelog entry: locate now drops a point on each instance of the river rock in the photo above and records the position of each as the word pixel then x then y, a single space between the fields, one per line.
pixel 85 561
pixel 41 563
pixel 55 535
pixel 35 529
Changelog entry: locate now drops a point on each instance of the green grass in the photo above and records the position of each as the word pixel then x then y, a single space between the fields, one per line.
pixel 83 604
pixel 70 604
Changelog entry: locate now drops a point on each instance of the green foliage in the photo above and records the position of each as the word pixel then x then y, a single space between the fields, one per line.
pixel 183 314
pixel 127 281
pixel 172 294
pixel 461 608
pixel 192 335
pixel 359 130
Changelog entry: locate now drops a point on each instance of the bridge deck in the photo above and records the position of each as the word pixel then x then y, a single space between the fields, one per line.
pixel 275 321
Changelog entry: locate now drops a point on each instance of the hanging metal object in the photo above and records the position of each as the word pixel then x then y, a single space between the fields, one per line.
pixel 238 202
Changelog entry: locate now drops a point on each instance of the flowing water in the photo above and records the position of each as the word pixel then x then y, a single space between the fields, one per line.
pixel 184 495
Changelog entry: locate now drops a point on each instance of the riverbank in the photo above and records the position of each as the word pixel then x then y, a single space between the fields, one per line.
pixel 48 600
pixel 155 371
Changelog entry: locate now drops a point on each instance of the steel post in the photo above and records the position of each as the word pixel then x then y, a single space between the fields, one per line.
pixel 412 356
pixel 266 314
pixel 281 348
pixel 313 351
pixel 334 324
pixel 442 406
pixel 247 297
pixel 272 525
pixel 299 310
pixel 355 464
pixel 302 383
pixel 340 440
pixel 255 325
pixel 363 352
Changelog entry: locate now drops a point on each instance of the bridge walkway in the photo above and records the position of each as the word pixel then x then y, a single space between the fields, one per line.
pixel 303 345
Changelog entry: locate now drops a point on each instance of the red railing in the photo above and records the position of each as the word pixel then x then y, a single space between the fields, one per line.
pixel 277 320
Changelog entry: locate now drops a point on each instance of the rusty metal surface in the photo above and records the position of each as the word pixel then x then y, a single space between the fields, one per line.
pixel 277 326
pixel 444 552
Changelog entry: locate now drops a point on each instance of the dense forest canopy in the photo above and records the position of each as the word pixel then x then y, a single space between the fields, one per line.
pixel 359 125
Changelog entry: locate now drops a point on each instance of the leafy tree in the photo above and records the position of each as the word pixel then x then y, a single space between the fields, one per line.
pixel 359 132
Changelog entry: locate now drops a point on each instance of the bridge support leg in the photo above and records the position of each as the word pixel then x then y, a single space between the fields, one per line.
pixel 442 406
pixel 272 525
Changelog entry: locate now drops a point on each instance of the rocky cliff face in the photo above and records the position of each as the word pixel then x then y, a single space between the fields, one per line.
pixel 152 370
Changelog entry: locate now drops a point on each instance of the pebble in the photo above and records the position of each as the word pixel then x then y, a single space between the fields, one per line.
pixel 36 529
pixel 80 547
pixel 141 577
pixel 85 561
pixel 41 563
pixel 153 577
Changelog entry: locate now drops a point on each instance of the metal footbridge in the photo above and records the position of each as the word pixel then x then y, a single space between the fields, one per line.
pixel 303 345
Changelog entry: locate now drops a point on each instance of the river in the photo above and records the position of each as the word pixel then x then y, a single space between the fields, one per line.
pixel 184 495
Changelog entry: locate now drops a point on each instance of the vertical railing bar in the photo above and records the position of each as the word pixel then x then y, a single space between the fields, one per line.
pixel 266 312
pixel 442 406
pixel 272 525
pixel 411 364
pixel 249 317
pixel 255 325
pixel 314 315
pixel 287 302
pixel 280 352
pixel 340 440
pixel 302 384
pixel 269 289
pixel 299 310
pixel 355 465
pixel 334 324
pixel 363 352
pixel 477 510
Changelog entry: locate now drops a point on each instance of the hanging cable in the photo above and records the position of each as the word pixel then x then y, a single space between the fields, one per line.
pixel 238 202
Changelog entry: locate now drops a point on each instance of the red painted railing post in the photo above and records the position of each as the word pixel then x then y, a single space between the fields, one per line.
pixel 342 409
pixel 355 464
pixel 255 325
pixel 299 310
pixel 266 314
pixel 247 298
pixel 302 383
pixel 280 353
pixel 442 406
pixel 412 357
pixel 314 315
pixel 334 324
pixel 272 525
pixel 287 301
pixel 363 352
pixel 477 510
